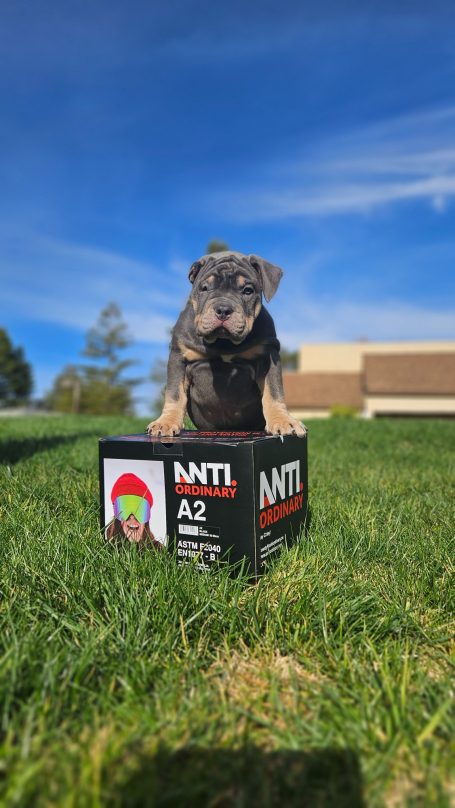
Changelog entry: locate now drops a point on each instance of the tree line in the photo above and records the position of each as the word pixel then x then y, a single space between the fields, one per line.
pixel 98 386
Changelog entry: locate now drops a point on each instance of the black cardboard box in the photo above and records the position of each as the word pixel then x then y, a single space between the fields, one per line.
pixel 208 496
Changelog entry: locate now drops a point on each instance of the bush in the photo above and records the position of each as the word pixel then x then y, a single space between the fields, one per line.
pixel 343 411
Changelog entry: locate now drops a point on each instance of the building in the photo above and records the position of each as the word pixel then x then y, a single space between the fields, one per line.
pixel 373 378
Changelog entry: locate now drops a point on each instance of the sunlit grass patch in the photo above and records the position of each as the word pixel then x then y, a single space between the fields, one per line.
pixel 123 676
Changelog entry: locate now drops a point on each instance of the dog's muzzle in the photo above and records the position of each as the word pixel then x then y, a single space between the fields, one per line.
pixel 220 319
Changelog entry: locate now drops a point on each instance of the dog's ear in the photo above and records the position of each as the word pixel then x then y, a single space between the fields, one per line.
pixel 194 269
pixel 269 273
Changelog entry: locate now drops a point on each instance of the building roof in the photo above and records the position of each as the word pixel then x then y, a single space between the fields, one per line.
pixel 320 390
pixel 409 374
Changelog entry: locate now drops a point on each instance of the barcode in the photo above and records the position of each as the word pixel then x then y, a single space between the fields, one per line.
pixel 191 530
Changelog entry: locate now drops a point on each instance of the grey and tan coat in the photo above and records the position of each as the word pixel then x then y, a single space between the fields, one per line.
pixel 224 363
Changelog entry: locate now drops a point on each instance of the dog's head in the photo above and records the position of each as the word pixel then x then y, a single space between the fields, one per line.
pixel 227 293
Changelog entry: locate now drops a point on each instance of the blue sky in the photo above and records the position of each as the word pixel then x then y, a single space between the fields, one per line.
pixel 319 135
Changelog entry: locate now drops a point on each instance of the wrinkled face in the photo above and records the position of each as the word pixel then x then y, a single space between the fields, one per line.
pixel 226 298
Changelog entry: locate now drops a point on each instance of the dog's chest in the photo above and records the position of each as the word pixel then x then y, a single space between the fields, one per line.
pixel 224 394
pixel 226 376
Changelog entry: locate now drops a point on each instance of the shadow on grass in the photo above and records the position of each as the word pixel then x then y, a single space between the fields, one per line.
pixel 14 450
pixel 245 778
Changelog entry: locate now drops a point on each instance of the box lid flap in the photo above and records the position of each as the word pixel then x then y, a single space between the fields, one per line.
pixel 192 436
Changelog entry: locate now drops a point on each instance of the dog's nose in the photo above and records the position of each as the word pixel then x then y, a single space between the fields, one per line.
pixel 223 312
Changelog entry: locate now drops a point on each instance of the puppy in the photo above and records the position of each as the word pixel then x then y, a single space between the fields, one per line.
pixel 224 364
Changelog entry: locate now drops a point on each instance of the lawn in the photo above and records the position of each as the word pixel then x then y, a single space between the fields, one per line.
pixel 128 681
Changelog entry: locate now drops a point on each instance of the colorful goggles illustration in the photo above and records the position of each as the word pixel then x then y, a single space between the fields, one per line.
pixel 128 504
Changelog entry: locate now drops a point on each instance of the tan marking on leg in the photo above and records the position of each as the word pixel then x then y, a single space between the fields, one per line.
pixel 170 421
pixel 278 421
pixel 190 354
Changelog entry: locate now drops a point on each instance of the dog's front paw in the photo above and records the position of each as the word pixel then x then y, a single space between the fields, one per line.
pixel 286 425
pixel 164 427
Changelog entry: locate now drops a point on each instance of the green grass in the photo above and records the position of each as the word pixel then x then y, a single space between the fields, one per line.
pixel 125 680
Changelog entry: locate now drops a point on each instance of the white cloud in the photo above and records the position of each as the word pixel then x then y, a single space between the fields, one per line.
pixel 439 203
pixel 343 320
pixel 58 282
pixel 405 158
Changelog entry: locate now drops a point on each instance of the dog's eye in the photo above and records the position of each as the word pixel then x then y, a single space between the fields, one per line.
pixel 248 290
pixel 204 287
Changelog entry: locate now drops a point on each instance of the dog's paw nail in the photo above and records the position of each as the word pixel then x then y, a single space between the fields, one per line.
pixel 291 427
pixel 298 429
pixel 154 428
pixel 162 429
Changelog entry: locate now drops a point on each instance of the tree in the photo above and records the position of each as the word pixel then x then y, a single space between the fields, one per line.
pixel 104 340
pixel 99 388
pixel 289 359
pixel 66 392
pixel 104 389
pixel 216 245
pixel 16 381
